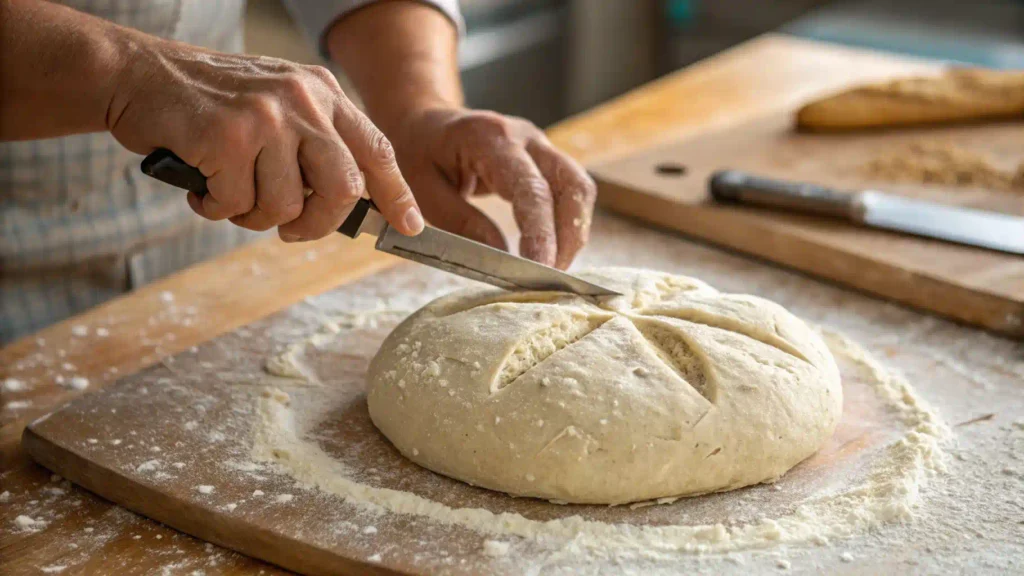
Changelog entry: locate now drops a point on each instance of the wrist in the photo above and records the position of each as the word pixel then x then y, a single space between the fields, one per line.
pixel 127 70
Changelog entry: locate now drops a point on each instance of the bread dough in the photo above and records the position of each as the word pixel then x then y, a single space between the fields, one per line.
pixel 672 389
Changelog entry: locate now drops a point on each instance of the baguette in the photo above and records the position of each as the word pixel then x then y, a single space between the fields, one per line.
pixel 957 95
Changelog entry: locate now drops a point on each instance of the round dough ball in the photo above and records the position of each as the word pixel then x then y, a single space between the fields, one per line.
pixel 673 389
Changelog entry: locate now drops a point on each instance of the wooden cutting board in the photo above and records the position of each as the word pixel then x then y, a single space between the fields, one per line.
pixel 173 443
pixel 667 186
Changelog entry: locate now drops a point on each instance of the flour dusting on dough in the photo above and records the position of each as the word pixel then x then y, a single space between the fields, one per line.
pixel 890 494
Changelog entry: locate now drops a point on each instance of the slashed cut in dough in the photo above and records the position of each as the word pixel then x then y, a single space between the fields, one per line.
pixel 673 389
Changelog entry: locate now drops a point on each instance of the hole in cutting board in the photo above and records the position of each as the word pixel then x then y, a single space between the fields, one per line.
pixel 669 169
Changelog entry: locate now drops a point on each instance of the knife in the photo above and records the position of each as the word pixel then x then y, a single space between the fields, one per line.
pixel 992 230
pixel 433 247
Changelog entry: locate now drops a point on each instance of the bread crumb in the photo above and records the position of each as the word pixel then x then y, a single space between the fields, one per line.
pixel 80 330
pixel 942 163
pixel 282 498
pixel 205 489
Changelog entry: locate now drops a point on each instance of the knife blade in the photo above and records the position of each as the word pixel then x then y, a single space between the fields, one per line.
pixel 432 247
pixel 991 230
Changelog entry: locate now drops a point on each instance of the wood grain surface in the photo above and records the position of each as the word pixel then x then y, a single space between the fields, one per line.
pixel 972 285
pixel 769 73
pixel 201 411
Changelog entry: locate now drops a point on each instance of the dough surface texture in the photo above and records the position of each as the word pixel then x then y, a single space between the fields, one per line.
pixel 673 389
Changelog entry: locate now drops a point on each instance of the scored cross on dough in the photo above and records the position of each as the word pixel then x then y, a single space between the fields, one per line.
pixel 672 389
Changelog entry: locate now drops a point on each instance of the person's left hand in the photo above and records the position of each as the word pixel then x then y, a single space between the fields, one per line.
pixel 448 154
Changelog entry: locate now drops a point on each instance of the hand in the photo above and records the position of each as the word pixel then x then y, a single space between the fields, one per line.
pixel 260 129
pixel 449 153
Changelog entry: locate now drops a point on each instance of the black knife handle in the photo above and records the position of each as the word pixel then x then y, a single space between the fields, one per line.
pixel 736 186
pixel 165 166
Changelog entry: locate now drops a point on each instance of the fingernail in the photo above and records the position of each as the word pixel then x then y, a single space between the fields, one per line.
pixel 290 237
pixel 413 220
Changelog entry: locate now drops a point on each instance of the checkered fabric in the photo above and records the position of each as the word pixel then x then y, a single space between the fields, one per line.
pixel 79 223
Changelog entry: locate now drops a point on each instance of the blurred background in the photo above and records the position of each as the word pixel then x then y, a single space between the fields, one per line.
pixel 547 59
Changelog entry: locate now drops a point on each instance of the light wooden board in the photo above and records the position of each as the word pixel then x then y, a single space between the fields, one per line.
pixel 972 285
pixel 218 386
pixel 199 410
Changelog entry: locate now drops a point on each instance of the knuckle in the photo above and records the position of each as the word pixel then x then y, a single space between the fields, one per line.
pixel 293 85
pixel 355 185
pixel 382 152
pixel 322 74
pixel 532 189
pixel 488 125
pixel 267 114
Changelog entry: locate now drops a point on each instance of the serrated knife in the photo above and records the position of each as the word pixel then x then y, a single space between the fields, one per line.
pixel 992 230
pixel 433 247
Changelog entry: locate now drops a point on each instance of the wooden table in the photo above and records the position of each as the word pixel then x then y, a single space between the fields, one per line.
pixel 765 74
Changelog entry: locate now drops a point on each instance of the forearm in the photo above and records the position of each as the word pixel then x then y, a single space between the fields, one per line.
pixel 59 69
pixel 402 57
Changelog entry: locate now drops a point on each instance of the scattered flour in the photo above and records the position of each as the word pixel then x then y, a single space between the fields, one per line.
pixel 288 363
pixel 892 489
pixel 27 523
pixel 102 332
pixel 14 385
pixel 148 466
pixel 495 548
pixel 5 496
pixel 79 383
pixel 205 489
pixel 283 498
pixel 53 569
pixel 18 404
pixel 80 330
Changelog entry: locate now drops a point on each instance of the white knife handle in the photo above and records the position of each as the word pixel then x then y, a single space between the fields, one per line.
pixel 735 186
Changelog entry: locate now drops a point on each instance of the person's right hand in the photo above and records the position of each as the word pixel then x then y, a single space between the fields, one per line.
pixel 261 130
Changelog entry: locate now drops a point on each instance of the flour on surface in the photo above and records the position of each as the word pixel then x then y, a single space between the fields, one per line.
pixel 891 493
pixel 289 363
pixel 14 385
